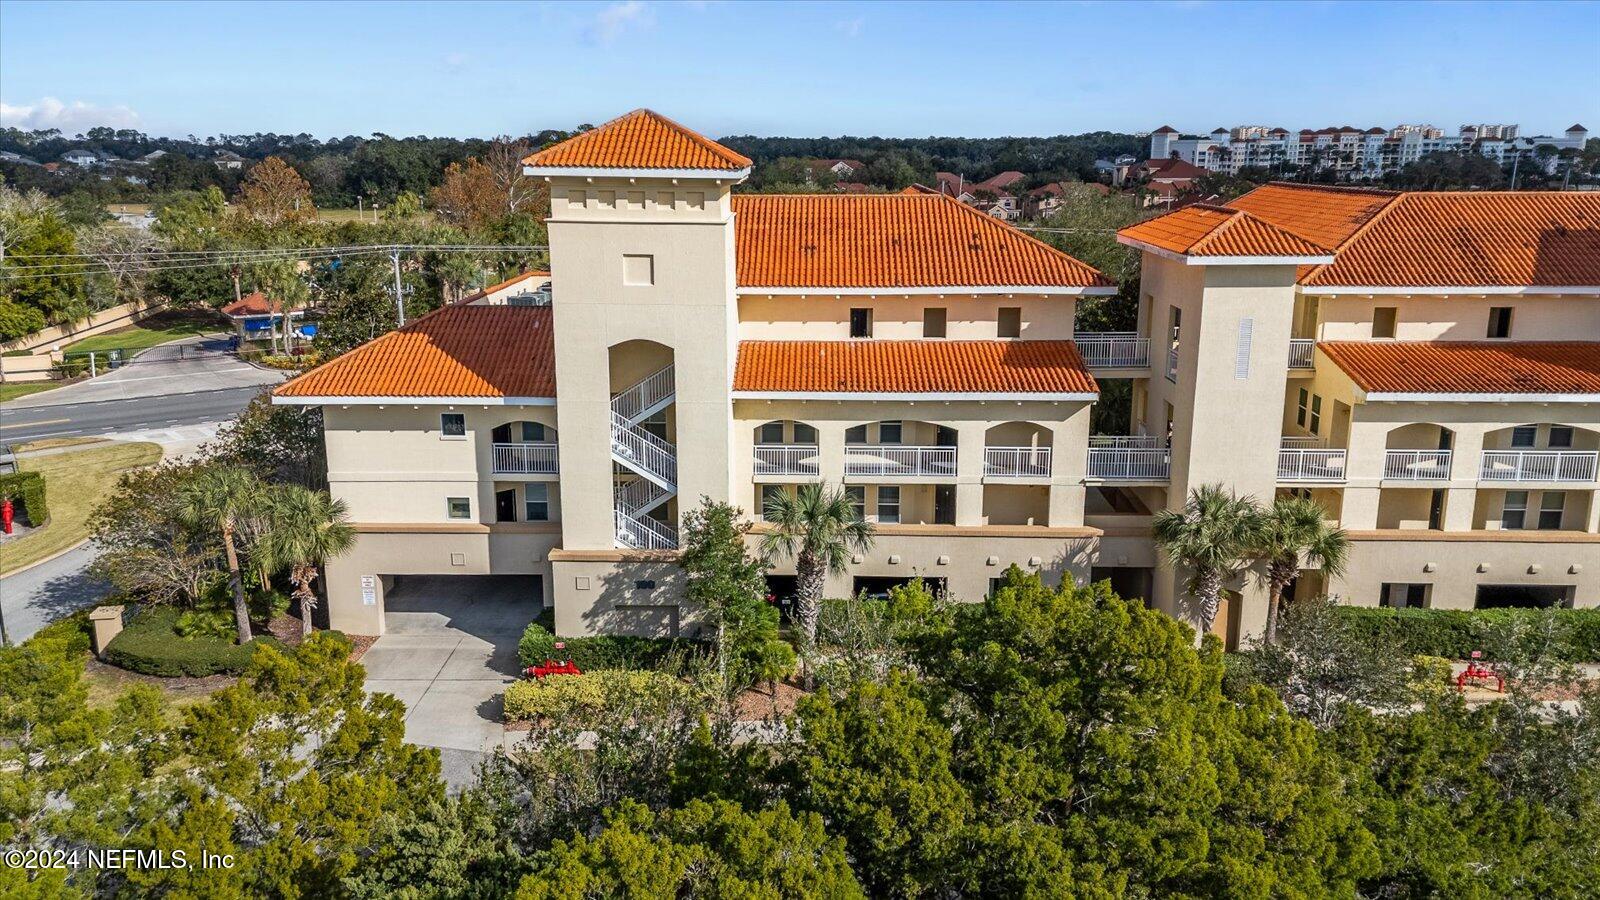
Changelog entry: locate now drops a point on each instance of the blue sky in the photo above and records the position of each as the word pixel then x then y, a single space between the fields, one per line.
pixel 897 69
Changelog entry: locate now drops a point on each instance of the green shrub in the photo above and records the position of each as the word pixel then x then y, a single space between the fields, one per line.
pixel 1430 676
pixel 610 651
pixel 1455 633
pixel 73 630
pixel 27 487
pixel 151 645
pixel 211 623
pixel 567 697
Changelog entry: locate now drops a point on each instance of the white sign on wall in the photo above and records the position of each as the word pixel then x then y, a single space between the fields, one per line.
pixel 369 590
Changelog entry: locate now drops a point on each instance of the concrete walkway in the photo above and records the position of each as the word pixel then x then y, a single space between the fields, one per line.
pixel 449 651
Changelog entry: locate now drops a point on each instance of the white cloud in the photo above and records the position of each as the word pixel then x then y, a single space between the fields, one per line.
pixel 71 118
pixel 849 27
pixel 610 23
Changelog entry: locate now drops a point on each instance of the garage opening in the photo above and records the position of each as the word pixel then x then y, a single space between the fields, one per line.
pixel 486 606
pixel 1128 582
pixel 1523 596
pixel 877 588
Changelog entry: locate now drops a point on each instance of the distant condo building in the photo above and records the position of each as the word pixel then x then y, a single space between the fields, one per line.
pixel 1354 152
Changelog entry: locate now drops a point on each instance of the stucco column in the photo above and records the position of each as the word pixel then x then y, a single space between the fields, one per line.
pixel 1466 455
pixel 1360 509
pixel 1069 462
pixel 830 450
pixel 970 443
pixel 1592 523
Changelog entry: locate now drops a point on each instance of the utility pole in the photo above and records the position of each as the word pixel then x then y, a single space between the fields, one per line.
pixel 236 284
pixel 399 292
pixel 1516 158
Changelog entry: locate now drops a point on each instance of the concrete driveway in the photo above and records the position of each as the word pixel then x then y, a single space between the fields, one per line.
pixel 449 651
pixel 189 365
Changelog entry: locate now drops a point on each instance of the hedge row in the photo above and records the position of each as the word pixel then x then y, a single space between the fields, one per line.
pixel 610 651
pixel 565 697
pixel 151 645
pixel 27 487
pixel 1455 633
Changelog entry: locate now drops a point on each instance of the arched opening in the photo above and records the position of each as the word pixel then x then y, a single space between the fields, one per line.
pixel 786 447
pixel 1418 452
pixel 1017 450
pixel 524 447
pixel 900 448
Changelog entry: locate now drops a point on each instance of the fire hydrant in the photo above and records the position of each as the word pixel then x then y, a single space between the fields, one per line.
pixel 6 514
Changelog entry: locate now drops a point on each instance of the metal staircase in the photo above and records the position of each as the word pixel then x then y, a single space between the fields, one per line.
pixel 652 461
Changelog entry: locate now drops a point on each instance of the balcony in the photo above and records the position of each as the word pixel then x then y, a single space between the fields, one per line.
pixel 1016 462
pixel 899 461
pixel 1300 463
pixel 1302 353
pixel 1113 349
pixel 786 459
pixel 1416 465
pixel 1537 465
pixel 1131 458
pixel 526 459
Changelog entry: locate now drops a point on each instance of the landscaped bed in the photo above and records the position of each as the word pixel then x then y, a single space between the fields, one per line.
pixel 1456 633
pixel 151 645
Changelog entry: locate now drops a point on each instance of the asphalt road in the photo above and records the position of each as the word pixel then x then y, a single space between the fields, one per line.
pixel 112 416
pixel 33 598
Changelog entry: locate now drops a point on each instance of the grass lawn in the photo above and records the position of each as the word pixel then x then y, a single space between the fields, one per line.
pixel 158 329
pixel 11 390
pixel 74 483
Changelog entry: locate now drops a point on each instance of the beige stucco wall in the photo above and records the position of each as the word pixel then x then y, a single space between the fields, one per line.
pixel 1458 318
pixel 968 317
pixel 1456 564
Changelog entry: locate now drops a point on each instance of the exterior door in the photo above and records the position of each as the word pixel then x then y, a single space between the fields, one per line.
pixel 944 504
pixel 505 505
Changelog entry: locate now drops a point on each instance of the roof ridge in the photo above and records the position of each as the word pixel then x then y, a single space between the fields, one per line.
pixel 725 154
pixel 1341 188
pixel 1356 235
pixel 1239 215
pixel 1007 227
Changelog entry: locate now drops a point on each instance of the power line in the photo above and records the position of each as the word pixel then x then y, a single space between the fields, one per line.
pixel 158 261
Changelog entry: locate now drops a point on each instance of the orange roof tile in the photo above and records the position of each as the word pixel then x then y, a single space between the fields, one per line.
pixel 1205 230
pixel 1321 214
pixel 1469 367
pixel 642 139
pixel 909 239
pixel 456 351
pixel 1480 239
pixel 912 367
pixel 254 303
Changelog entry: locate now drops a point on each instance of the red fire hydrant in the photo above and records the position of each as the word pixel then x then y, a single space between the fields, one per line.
pixel 6 514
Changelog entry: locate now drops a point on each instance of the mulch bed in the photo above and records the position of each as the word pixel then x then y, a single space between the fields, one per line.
pixel 752 705
pixel 179 686
pixel 286 628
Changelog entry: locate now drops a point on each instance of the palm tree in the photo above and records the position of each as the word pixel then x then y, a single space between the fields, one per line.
pixel 1213 537
pixel 224 498
pixel 306 528
pixel 1296 528
pixel 819 528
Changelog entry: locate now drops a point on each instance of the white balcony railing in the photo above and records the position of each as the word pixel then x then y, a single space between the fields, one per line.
pixel 1296 442
pixel 786 459
pixel 1016 462
pixel 525 459
pixel 1310 464
pixel 1416 465
pixel 1128 458
pixel 1302 353
pixel 1113 349
pixel 900 461
pixel 1538 465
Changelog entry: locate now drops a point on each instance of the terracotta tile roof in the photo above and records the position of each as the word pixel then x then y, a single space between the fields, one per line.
pixel 912 367
pixel 642 139
pixel 888 241
pixel 1469 367
pixel 252 304
pixel 1205 230
pixel 1323 215
pixel 1172 168
pixel 1480 239
pixel 456 351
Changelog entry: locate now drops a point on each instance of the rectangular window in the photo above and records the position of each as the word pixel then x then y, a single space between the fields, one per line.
pixel 1514 512
pixel 1009 322
pixel 770 494
pixel 858 499
pixel 1401 596
pixel 804 434
pixel 860 323
pixel 771 433
pixel 1560 436
pixel 536 500
pixel 533 432
pixel 1302 408
pixel 1383 321
pixel 1524 435
pixel 889 432
pixel 1551 505
pixel 1316 414
pixel 1499 321
pixel 889 505
pixel 856 434
pixel 459 507
pixel 933 322
pixel 638 269
pixel 453 425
